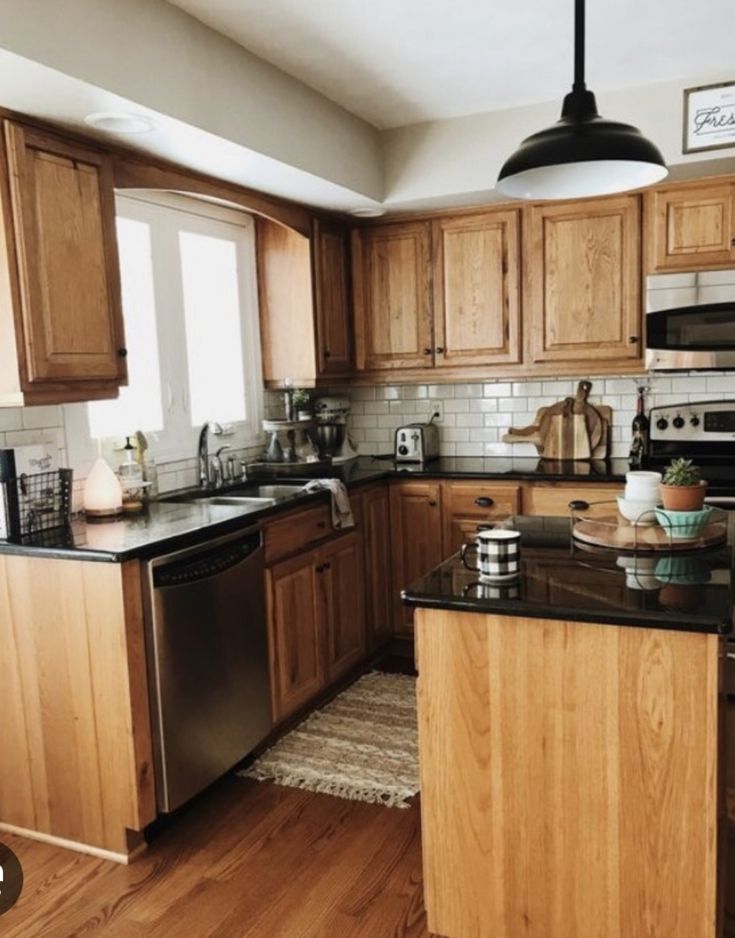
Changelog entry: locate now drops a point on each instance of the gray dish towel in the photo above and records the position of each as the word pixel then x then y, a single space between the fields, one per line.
pixel 341 512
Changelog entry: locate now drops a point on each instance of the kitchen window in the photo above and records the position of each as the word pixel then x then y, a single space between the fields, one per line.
pixel 191 322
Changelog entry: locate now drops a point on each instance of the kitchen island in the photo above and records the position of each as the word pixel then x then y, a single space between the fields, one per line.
pixel 571 744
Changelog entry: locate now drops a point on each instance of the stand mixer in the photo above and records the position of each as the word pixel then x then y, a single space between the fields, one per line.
pixel 331 415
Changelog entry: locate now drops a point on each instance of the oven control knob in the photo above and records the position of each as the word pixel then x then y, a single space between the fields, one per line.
pixel 678 421
pixel 694 420
pixel 403 450
pixel 662 423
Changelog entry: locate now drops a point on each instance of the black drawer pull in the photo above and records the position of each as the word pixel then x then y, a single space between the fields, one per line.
pixel 484 501
pixel 321 524
pixel 327 353
pixel 427 351
pixel 439 350
pixel 432 503
pixel 122 352
pixel 579 504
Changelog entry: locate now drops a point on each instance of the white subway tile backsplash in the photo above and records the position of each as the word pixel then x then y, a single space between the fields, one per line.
pixel 12 419
pixel 476 416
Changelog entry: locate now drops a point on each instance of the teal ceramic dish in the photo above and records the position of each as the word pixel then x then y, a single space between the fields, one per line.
pixel 682 524
pixel 683 570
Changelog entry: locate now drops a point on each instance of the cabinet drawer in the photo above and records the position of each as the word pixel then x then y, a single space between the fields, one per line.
pixel 554 499
pixel 480 499
pixel 297 531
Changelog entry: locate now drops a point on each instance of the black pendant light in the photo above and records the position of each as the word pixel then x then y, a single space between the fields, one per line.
pixel 582 154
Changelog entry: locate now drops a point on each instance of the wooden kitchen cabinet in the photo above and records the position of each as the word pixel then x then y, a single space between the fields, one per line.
pixel 304 300
pixel 378 561
pixel 295 634
pixel 332 298
pixel 468 506
pixel 552 498
pixel 340 569
pixel 416 526
pixel 477 304
pixel 392 296
pixel 60 289
pixel 690 227
pixel 582 281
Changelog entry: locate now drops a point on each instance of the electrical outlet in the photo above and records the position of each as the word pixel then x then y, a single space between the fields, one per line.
pixel 436 410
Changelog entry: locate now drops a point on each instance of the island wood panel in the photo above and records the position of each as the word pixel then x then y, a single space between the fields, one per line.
pixel 77 758
pixel 332 301
pixel 62 201
pixel 477 304
pixel 582 265
pixel 690 228
pixel 392 296
pixel 569 778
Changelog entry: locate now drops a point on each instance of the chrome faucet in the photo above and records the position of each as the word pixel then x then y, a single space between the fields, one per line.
pixel 205 475
pixel 218 470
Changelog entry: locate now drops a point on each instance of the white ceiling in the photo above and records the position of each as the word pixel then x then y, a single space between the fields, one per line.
pixel 397 62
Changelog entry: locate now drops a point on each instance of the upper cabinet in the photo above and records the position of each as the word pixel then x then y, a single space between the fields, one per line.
pixel 582 268
pixel 393 303
pixel 477 289
pixel 441 294
pixel 690 227
pixel 304 296
pixel 60 280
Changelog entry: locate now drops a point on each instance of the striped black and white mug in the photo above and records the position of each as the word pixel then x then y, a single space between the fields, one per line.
pixel 498 554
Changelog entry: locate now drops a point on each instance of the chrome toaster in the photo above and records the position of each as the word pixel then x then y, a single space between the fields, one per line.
pixel 417 442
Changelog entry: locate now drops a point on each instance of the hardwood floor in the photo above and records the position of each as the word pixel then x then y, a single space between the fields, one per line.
pixel 246 860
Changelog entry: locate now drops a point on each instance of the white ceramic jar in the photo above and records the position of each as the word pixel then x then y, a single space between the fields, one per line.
pixel 642 486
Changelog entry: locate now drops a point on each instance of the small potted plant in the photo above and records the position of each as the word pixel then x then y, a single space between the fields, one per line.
pixel 682 488
pixel 302 404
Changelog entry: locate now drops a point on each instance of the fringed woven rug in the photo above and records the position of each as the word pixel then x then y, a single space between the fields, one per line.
pixel 362 746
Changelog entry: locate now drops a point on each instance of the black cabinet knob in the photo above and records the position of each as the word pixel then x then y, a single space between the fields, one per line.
pixel 440 350
pixel 427 351
pixel 122 352
pixel 484 502
pixel 579 504
pixel 327 353
pixel 632 339
pixel 432 503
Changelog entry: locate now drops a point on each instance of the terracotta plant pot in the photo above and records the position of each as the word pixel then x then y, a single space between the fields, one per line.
pixel 683 497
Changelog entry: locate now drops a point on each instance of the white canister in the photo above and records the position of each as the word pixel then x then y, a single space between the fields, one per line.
pixel 642 486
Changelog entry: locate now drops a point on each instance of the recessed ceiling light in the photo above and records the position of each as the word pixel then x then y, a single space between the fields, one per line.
pixel 367 212
pixel 120 122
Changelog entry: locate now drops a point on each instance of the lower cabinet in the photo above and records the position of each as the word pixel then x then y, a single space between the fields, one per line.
pixel 378 560
pixel 416 536
pixel 317 622
pixel 468 506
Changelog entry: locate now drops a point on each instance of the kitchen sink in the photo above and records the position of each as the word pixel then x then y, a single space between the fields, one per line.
pixel 238 501
pixel 279 490
pixel 254 496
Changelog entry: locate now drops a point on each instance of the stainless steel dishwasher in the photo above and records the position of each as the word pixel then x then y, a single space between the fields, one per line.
pixel 207 645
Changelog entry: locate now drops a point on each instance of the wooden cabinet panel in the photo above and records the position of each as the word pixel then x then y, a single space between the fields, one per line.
pixel 340 581
pixel 392 290
pixel 553 498
pixel 477 289
pixel 467 506
pixel 62 200
pixel 583 280
pixel 332 301
pixel 690 227
pixel 289 533
pixel 377 547
pixel 416 524
pixel 296 638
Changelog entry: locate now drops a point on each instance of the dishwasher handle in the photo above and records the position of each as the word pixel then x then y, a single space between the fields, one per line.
pixel 206 563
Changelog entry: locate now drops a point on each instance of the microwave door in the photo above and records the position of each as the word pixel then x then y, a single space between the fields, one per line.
pixel 692 337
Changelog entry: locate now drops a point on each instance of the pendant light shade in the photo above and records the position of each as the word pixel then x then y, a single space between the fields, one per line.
pixel 582 154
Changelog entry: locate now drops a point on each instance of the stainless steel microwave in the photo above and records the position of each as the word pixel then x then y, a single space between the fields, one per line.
pixel 690 321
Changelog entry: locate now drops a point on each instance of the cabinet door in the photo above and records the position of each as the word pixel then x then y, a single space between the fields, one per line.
pixel 377 546
pixel 333 307
pixel 63 207
pixel 477 289
pixel 583 281
pixel 340 583
pixel 393 314
pixel 468 506
pixel 415 514
pixel 690 228
pixel 296 644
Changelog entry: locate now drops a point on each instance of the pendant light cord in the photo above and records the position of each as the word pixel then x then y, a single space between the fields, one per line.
pixel 579 83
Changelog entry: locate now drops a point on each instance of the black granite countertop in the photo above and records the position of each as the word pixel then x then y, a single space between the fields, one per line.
pixel 176 522
pixel 685 591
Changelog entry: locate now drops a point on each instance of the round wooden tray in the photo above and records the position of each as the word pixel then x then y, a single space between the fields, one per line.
pixel 611 531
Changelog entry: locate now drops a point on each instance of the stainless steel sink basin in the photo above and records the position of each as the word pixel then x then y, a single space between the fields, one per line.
pixel 279 490
pixel 239 501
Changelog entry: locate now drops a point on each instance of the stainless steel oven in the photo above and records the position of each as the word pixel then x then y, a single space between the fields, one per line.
pixel 690 321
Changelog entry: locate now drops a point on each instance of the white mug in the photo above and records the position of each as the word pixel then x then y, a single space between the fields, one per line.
pixel 498 554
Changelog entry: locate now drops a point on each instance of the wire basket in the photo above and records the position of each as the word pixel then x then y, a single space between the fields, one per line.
pixel 43 501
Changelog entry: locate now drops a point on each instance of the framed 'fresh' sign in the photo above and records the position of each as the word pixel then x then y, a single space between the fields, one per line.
pixel 709 117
